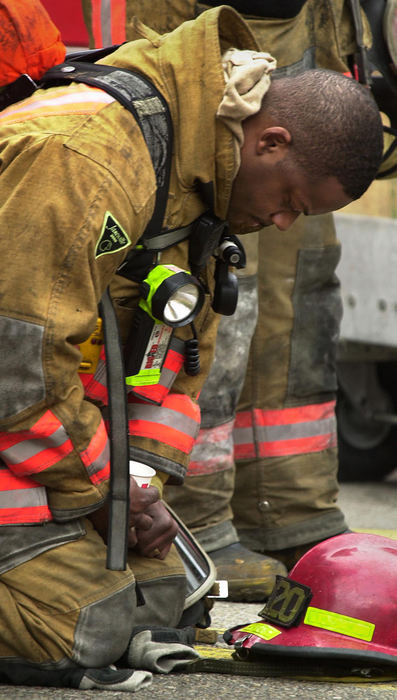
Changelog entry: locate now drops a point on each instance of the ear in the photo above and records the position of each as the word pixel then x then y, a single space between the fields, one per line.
pixel 275 141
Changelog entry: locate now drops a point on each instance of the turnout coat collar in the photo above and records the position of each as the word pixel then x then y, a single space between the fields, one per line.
pixel 185 65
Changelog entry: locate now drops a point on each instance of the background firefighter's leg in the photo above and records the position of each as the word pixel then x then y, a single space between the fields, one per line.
pixel 285 431
pixel 203 502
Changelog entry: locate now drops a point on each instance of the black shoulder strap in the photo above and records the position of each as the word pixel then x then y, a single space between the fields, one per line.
pixel 137 94
pixel 118 439
pixel 143 100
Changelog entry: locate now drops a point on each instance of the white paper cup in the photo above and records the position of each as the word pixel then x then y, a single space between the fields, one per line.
pixel 142 473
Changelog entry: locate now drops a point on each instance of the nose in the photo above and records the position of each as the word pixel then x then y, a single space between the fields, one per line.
pixel 284 219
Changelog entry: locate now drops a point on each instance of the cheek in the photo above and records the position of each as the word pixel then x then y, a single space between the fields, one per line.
pixel 238 193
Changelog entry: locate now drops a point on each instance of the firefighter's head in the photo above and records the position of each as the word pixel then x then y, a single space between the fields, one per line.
pixel 314 146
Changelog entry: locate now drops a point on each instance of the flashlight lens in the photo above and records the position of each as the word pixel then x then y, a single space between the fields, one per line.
pixel 181 304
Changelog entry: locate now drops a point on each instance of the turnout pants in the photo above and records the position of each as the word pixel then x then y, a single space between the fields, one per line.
pixel 264 468
pixel 63 609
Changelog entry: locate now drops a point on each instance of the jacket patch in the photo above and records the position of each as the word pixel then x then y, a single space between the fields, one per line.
pixel 112 238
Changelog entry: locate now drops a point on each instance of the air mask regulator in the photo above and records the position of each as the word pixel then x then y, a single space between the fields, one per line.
pixel 229 253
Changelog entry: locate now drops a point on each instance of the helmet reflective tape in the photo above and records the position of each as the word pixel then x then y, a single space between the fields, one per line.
pixel 287 602
pixel 390 28
pixel 261 630
pixel 335 622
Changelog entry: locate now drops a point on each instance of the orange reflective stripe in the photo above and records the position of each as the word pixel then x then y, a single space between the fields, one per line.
pixel 96 457
pixel 78 99
pixel 96 24
pixel 32 451
pixel 25 515
pixel 118 21
pixel 11 482
pixel 283 448
pixel 175 423
pixel 282 432
pixel 47 442
pixel 174 360
pixel 95 386
pixel 22 500
pixel 93 389
pixel 108 20
pixel 166 434
pixel 298 414
pixel 213 450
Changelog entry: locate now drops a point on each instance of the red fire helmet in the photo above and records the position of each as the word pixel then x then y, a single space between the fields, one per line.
pixel 339 602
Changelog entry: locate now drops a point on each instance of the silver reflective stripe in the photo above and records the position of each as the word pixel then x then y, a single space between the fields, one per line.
pixel 23 498
pixel 214 445
pixel 100 462
pixel 163 416
pixel 27 449
pixel 170 238
pixel 100 373
pixel 22 377
pixel 178 345
pixel 106 22
pixel 293 431
pixel 243 436
pixel 167 377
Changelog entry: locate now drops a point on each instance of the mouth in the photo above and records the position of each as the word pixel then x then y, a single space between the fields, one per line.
pixel 256 224
pixel 261 223
pixel 250 225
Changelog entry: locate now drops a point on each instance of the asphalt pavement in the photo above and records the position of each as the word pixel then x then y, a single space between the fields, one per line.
pixel 369 507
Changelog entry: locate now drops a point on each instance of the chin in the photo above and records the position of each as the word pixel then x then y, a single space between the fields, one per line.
pixel 248 228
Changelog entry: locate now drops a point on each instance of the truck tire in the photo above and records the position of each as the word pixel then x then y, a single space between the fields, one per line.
pixel 367 465
pixel 370 463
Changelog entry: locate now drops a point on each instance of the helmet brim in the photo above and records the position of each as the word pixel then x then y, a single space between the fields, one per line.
pixel 311 644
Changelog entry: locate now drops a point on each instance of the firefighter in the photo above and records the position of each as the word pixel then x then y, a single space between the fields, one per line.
pixel 78 189
pixel 261 486
pixel 263 473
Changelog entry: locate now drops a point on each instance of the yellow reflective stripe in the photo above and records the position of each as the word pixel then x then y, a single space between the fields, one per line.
pixel 262 630
pixel 334 622
pixel 144 378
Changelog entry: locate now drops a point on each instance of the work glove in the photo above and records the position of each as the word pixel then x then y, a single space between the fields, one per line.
pixel 161 649
pixel 112 678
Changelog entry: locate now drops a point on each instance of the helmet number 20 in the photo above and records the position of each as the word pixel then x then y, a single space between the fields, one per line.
pixel 287 602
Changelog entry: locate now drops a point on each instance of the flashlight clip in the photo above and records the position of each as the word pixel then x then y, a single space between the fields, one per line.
pixel 226 290
pixel 208 233
pixel 231 251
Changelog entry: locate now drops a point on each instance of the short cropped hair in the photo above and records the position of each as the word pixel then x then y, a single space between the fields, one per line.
pixel 335 126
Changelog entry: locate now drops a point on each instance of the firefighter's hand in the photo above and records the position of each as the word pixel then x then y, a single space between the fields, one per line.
pixel 140 501
pixel 156 541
